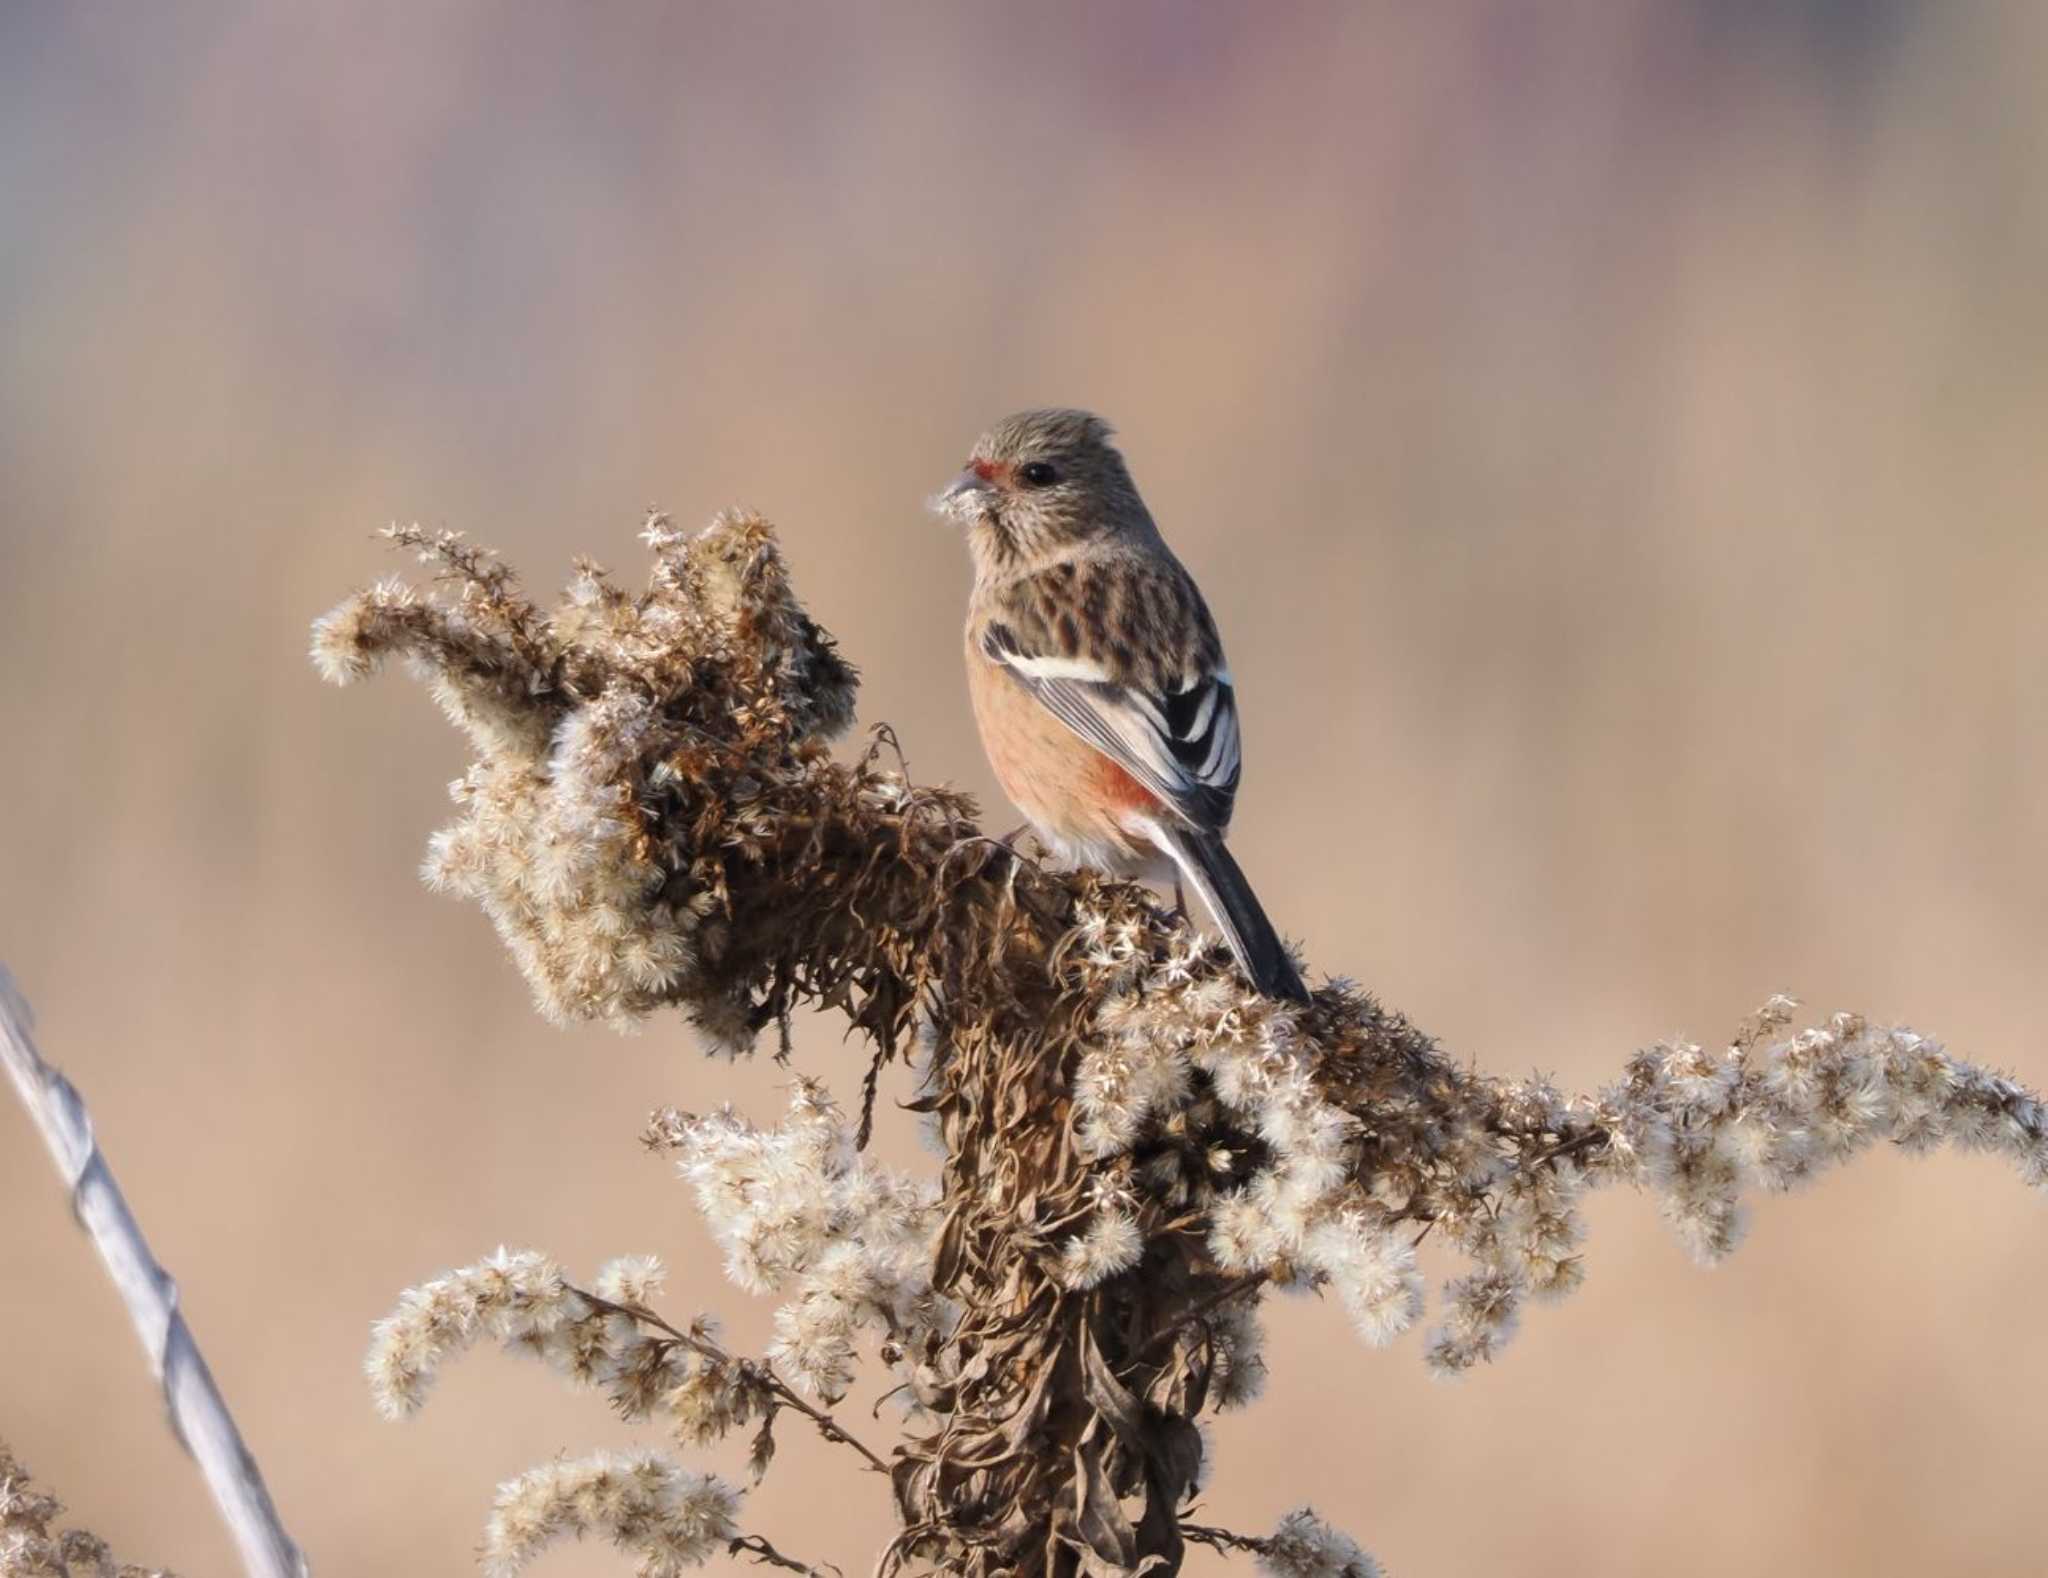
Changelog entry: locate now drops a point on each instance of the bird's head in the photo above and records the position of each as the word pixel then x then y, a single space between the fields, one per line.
pixel 1039 481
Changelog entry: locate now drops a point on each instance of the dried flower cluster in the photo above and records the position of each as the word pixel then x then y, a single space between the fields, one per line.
pixel 667 1517
pixel 579 821
pixel 800 1211
pixel 1136 1147
pixel 609 1339
pixel 29 1550
pixel 523 1302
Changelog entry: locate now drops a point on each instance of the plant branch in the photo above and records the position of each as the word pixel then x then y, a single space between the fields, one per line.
pixel 785 1395
pixel 1223 1539
pixel 768 1556
pixel 1202 1307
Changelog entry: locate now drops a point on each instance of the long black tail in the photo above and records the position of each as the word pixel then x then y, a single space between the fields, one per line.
pixel 1260 954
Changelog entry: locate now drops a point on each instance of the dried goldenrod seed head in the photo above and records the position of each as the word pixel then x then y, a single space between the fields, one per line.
pixel 1133 1145
pixel 665 1517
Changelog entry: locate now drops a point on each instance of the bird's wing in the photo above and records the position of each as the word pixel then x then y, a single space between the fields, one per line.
pixel 1127 657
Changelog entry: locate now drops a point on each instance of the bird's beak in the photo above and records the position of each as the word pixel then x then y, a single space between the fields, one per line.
pixel 966 496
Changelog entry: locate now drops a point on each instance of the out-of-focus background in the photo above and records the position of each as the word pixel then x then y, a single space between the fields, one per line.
pixel 1612 439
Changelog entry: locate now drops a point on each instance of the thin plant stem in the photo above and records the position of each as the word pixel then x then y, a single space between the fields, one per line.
pixel 198 1412
pixel 768 1556
pixel 785 1395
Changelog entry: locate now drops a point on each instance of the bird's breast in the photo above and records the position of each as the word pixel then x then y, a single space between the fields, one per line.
pixel 1077 799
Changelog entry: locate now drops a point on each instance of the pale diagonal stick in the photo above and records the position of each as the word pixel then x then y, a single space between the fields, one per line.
pixel 197 1411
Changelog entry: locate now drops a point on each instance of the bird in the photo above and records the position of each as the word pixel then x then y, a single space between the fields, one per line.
pixel 1097 676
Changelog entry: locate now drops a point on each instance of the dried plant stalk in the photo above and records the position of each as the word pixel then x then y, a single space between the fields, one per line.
pixel 1136 1146
pixel 198 1412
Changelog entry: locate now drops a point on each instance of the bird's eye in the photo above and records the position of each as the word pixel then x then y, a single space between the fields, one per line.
pixel 1037 474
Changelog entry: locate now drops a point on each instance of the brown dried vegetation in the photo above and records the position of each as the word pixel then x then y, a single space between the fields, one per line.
pixel 28 1549
pixel 1136 1147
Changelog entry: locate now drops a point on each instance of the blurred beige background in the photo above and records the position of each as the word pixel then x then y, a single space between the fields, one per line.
pixel 1611 435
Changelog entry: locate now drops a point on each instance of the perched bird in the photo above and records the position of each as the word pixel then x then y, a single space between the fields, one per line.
pixel 1096 673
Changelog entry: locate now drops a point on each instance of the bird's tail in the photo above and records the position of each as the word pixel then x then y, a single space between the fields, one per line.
pixel 1207 865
